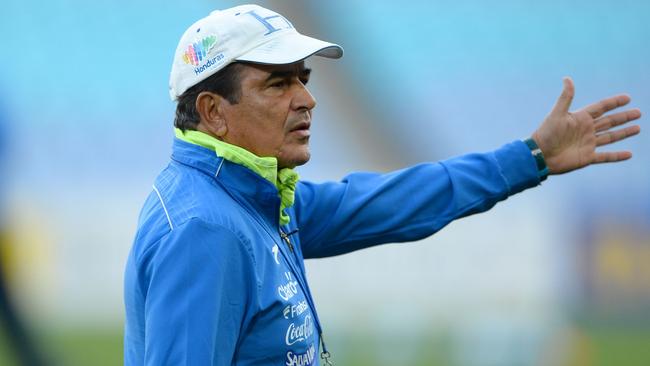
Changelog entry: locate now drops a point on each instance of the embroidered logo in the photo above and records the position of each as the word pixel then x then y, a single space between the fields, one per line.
pixel 275 251
pixel 196 52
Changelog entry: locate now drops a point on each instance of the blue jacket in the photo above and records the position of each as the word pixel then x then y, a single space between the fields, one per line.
pixel 211 281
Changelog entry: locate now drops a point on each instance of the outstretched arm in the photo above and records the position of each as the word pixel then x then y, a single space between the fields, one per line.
pixel 369 209
pixel 569 140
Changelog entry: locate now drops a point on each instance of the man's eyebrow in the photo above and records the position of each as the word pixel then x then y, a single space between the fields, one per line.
pixel 289 73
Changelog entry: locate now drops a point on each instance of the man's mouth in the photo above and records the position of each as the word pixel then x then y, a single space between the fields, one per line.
pixel 302 129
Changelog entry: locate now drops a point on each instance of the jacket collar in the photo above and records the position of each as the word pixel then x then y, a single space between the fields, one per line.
pixel 285 180
pixel 235 177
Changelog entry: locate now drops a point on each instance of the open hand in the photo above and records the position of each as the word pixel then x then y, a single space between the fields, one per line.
pixel 569 140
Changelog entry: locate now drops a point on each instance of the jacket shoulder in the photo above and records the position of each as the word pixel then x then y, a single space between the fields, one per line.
pixel 179 194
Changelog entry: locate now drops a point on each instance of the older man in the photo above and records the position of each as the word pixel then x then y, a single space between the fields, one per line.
pixel 216 273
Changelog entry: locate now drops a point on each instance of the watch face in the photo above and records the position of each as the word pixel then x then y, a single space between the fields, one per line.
pixel 542 169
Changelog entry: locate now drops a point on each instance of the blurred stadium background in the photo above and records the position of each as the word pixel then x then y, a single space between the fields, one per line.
pixel 559 275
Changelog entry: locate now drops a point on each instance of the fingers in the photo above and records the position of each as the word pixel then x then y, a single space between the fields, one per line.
pixel 618 135
pixel 611 157
pixel 564 101
pixel 613 120
pixel 598 109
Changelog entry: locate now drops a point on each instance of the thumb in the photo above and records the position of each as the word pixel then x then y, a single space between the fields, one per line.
pixel 564 101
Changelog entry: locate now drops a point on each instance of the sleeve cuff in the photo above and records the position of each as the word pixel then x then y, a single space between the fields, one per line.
pixel 518 166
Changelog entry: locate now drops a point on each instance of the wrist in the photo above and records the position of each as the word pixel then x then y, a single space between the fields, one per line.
pixel 538 155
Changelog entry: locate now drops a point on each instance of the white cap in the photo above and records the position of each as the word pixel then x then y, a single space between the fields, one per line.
pixel 244 33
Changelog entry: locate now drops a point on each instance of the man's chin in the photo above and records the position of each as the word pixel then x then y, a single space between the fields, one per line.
pixel 294 161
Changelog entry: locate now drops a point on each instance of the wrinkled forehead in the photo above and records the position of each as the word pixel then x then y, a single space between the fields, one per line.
pixel 296 68
pixel 265 71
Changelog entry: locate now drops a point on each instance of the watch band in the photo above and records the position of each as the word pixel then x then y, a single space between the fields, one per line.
pixel 542 169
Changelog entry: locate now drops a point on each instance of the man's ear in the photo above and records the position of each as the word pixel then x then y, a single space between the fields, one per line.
pixel 209 105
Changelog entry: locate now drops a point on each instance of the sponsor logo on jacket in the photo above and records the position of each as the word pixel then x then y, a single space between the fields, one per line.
pixel 300 332
pixel 301 359
pixel 294 310
pixel 289 289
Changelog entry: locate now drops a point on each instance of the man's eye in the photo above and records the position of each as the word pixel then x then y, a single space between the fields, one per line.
pixel 278 84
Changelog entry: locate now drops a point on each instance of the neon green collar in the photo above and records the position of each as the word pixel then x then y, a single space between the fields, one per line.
pixel 285 179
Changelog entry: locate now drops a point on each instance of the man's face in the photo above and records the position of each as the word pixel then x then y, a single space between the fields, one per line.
pixel 273 115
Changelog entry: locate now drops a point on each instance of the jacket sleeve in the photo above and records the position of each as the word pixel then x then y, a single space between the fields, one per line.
pixel 198 280
pixel 367 209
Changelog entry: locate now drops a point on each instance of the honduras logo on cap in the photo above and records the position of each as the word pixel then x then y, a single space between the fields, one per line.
pixel 196 52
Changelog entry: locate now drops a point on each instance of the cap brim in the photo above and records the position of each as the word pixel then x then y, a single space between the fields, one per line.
pixel 290 48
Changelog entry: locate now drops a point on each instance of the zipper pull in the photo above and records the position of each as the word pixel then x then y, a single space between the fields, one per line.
pixel 285 237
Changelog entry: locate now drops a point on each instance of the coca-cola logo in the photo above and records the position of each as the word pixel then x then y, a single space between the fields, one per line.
pixel 300 332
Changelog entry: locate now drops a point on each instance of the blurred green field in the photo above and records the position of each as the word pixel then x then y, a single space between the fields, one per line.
pixel 73 347
pixel 597 347
pixel 620 347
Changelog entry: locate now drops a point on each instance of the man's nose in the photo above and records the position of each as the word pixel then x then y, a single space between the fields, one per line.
pixel 302 97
